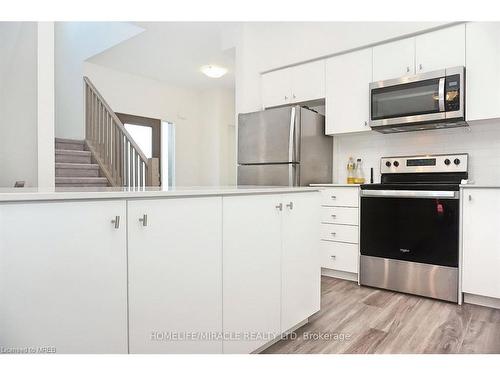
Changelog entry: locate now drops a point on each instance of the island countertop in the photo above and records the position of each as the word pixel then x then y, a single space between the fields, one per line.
pixel 48 194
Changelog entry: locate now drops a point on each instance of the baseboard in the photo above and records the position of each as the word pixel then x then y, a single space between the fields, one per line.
pixel 339 274
pixel 474 299
pixel 283 335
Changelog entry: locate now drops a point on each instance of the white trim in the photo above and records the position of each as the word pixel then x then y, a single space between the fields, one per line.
pixel 339 274
pixel 482 300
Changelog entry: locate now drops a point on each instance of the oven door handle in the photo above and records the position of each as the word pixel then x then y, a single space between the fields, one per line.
pixel 410 194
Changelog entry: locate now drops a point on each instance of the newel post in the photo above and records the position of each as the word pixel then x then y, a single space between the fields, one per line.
pixel 153 175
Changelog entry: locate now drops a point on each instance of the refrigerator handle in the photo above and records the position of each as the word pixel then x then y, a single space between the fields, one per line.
pixel 291 140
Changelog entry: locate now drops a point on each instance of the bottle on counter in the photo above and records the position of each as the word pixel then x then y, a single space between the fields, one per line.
pixel 350 170
pixel 359 176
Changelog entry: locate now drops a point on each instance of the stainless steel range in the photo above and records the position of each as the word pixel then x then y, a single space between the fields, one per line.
pixel 410 225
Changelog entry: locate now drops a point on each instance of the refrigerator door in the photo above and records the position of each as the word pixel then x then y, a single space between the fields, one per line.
pixel 269 136
pixel 316 149
pixel 269 174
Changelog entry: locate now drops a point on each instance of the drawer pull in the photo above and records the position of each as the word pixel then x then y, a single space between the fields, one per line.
pixel 333 215
pixel 334 197
pixel 333 257
pixel 144 220
pixel 334 234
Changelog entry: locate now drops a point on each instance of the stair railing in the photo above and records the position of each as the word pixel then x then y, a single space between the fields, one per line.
pixel 119 157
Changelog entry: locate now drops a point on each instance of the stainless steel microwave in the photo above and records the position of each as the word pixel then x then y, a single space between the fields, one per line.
pixel 432 100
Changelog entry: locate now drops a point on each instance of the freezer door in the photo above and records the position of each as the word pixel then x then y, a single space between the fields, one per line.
pixel 269 136
pixel 269 174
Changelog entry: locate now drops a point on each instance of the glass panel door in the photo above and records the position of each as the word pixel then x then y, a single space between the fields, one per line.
pixel 409 99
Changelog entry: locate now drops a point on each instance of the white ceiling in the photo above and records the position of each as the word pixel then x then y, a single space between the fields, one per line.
pixel 173 52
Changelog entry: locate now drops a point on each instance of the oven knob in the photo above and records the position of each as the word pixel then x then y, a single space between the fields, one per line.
pixel 456 161
pixel 396 163
pixel 447 161
pixel 387 163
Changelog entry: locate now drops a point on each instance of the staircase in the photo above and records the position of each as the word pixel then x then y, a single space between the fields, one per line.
pixel 74 167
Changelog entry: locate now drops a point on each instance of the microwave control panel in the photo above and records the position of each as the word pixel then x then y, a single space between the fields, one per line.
pixel 452 90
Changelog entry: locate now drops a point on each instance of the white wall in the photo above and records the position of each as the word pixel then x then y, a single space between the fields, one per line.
pixel 74 43
pixel 216 121
pixel 18 103
pixel 45 105
pixel 481 141
pixel 263 46
pixel 197 117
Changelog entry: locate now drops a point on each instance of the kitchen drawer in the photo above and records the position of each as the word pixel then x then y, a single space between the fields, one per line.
pixel 336 232
pixel 339 256
pixel 341 196
pixel 339 215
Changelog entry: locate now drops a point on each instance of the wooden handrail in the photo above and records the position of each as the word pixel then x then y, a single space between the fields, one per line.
pixel 120 158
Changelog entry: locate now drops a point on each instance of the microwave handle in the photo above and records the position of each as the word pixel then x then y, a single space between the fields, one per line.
pixel 441 94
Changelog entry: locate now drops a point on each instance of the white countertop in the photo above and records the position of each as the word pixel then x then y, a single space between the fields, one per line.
pixel 41 194
pixel 334 185
pixel 479 186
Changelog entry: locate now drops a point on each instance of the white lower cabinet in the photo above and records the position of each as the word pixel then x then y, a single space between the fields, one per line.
pixel 339 231
pixel 175 275
pixel 481 242
pixel 63 277
pixel 301 271
pixel 271 266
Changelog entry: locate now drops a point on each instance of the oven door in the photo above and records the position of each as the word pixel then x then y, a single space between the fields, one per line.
pixel 414 99
pixel 415 226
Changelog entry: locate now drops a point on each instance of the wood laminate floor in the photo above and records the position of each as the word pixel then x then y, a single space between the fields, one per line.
pixel 380 321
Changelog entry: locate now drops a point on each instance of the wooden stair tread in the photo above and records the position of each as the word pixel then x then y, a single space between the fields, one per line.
pixel 64 140
pixel 76 166
pixel 72 152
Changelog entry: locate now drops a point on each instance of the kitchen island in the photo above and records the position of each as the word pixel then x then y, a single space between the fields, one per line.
pixel 185 270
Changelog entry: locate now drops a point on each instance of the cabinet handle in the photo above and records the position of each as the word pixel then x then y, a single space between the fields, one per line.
pixel 144 220
pixel 116 222
pixel 286 97
pixel 334 234
pixel 470 197
pixel 420 67
pixel 290 205
pixel 333 215
pixel 280 206
pixel 407 69
pixel 334 197
pixel 333 257
pixel 366 123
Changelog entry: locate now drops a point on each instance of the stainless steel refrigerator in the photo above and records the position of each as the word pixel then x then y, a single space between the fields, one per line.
pixel 283 146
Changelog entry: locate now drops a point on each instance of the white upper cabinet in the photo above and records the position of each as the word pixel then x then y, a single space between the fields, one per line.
pixel 483 73
pixel 300 83
pixel 347 95
pixel 481 242
pixel 394 60
pixel 276 88
pixel 440 49
pixel 308 81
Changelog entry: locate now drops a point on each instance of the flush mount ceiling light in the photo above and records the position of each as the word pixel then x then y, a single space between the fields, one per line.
pixel 213 71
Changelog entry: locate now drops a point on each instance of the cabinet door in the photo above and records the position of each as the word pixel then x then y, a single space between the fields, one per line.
pixel 481 242
pixel 483 75
pixel 276 88
pixel 394 60
pixel 440 49
pixel 301 269
pixel 308 81
pixel 63 277
pixel 347 92
pixel 175 274
pixel 251 270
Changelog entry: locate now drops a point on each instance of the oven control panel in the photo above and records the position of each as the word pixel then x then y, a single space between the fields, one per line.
pixel 425 163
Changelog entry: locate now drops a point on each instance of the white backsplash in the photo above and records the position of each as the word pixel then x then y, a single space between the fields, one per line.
pixel 480 140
